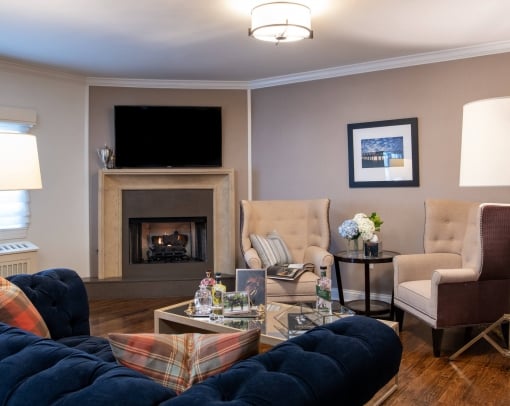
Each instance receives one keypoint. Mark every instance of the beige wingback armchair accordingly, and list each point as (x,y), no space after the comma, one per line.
(463,277)
(303,225)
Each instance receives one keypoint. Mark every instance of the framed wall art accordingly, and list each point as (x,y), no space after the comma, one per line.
(252,281)
(383,153)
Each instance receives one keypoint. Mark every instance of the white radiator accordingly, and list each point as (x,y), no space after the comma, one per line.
(18,257)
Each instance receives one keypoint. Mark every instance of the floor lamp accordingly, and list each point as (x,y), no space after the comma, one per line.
(485,162)
(19,162)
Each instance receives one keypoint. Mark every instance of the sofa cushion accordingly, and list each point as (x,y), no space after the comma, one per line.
(16,310)
(38,371)
(341,363)
(98,346)
(181,360)
(60,296)
(271,249)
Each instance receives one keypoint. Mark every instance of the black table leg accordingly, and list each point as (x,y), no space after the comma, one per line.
(367,289)
(339,282)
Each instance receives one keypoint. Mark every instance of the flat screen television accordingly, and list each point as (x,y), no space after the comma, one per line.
(167,136)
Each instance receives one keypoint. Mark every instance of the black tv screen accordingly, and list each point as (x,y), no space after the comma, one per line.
(167,136)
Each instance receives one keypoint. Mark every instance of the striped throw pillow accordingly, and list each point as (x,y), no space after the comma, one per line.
(271,249)
(178,361)
(18,311)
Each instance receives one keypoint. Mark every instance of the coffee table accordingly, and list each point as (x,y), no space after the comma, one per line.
(173,320)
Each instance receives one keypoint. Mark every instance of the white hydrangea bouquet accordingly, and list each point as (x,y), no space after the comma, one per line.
(362,226)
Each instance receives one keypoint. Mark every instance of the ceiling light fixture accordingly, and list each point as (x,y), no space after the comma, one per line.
(281,21)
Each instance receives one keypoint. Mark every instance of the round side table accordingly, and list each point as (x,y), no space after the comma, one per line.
(367,307)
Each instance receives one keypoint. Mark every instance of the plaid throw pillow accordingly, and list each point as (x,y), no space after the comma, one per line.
(271,249)
(18,311)
(178,361)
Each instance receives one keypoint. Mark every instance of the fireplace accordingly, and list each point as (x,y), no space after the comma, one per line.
(167,232)
(140,207)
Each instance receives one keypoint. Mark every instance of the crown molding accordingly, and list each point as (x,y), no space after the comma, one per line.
(385,64)
(168,84)
(339,71)
(16,66)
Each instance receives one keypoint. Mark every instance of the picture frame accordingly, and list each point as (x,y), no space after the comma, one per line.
(252,281)
(383,153)
(236,304)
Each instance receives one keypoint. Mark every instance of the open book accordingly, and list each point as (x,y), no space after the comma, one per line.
(288,271)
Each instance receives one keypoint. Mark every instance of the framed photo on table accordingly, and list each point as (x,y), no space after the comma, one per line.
(252,281)
(383,153)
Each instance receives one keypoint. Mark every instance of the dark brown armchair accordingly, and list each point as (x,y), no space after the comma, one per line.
(463,277)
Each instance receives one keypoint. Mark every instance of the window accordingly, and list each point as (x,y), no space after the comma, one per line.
(15,204)
(14,214)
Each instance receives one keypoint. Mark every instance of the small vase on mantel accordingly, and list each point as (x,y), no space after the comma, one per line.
(353,245)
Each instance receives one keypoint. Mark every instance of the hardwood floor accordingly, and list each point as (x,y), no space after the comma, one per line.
(480,376)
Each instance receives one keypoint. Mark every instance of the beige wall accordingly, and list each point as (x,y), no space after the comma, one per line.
(59,211)
(234,126)
(300,145)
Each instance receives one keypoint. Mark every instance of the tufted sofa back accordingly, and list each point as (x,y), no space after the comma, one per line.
(300,223)
(60,297)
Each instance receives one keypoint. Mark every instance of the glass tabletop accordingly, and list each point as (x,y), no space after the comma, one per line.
(360,257)
(279,320)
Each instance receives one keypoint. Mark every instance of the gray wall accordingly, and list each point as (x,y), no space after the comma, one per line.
(299,145)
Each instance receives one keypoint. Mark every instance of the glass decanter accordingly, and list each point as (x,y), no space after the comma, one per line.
(203,301)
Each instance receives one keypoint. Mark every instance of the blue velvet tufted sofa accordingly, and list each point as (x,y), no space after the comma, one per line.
(342,363)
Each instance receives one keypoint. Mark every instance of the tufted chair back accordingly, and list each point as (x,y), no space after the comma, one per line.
(303,225)
(446,222)
(300,223)
(60,297)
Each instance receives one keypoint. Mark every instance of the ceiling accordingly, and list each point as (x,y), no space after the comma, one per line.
(207,40)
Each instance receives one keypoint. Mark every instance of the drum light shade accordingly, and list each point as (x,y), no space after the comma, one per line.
(486,143)
(281,21)
(19,162)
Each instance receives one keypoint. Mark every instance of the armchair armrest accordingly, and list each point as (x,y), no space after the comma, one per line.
(412,267)
(319,257)
(457,275)
(252,259)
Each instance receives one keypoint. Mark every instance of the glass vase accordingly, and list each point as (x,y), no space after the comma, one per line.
(353,246)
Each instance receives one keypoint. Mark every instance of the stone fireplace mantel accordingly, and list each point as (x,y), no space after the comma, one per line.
(113,181)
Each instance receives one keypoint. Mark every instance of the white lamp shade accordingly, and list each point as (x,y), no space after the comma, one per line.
(485,150)
(281,22)
(19,162)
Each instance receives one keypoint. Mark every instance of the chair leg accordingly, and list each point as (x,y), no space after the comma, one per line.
(506,332)
(468,333)
(399,314)
(437,338)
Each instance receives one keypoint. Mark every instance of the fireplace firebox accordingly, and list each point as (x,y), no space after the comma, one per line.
(169,239)
(167,233)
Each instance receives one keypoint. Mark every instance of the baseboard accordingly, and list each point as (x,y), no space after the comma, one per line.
(132,289)
(117,288)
